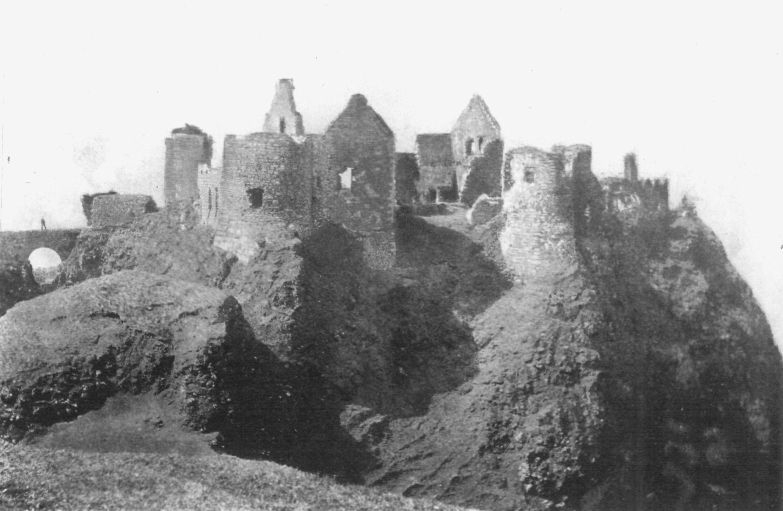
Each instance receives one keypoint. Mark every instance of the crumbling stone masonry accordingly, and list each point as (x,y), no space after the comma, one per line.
(282,116)
(465,163)
(478,149)
(539,234)
(185,150)
(209,193)
(406,175)
(437,175)
(285,185)
(114,210)
(361,149)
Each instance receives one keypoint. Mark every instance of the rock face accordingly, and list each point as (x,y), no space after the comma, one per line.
(64,353)
(157,242)
(644,377)
(629,367)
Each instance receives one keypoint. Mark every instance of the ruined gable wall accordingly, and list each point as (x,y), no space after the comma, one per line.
(360,140)
(472,125)
(184,152)
(283,107)
(538,237)
(356,141)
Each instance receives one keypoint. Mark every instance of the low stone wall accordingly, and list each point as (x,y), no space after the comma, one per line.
(16,246)
(120,209)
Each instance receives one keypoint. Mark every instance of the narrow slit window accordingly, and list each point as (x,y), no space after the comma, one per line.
(282,125)
(480,144)
(530,175)
(469,146)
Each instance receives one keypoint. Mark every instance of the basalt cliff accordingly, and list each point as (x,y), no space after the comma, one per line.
(622,365)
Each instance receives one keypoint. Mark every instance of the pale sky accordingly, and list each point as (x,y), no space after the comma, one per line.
(89,91)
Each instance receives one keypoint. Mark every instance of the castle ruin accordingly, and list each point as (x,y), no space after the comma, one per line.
(463,164)
(283,182)
(295,181)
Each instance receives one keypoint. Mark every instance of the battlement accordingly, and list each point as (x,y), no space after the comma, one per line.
(630,192)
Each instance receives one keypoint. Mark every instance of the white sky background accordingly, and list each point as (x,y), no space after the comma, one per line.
(89,91)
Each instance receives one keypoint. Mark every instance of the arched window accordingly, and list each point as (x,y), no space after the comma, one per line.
(282,125)
(530,175)
(469,146)
(481,144)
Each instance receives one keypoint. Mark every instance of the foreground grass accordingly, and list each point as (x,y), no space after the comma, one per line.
(34,478)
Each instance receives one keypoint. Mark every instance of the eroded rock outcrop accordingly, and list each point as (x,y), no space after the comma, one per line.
(64,353)
(643,377)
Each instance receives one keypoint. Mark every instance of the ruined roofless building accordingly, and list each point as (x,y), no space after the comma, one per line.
(465,163)
(281,182)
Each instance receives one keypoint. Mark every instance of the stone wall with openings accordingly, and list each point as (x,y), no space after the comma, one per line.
(538,238)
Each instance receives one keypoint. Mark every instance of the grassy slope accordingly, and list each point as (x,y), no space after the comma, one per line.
(34,478)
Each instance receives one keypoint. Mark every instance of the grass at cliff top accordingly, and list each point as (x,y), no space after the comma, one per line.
(33,478)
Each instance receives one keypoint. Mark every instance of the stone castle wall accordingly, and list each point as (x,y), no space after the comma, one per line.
(262,173)
(184,153)
(406,177)
(115,210)
(358,139)
(361,141)
(209,193)
(481,174)
(539,230)
(16,246)
(586,192)
(621,195)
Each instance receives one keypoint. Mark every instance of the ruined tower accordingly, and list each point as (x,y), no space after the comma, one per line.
(631,171)
(282,116)
(186,148)
(538,238)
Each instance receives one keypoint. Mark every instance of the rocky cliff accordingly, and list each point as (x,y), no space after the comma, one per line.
(637,374)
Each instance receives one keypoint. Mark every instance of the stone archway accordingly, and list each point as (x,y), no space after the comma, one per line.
(46,265)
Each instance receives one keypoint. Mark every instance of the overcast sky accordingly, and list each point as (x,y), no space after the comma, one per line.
(89,90)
